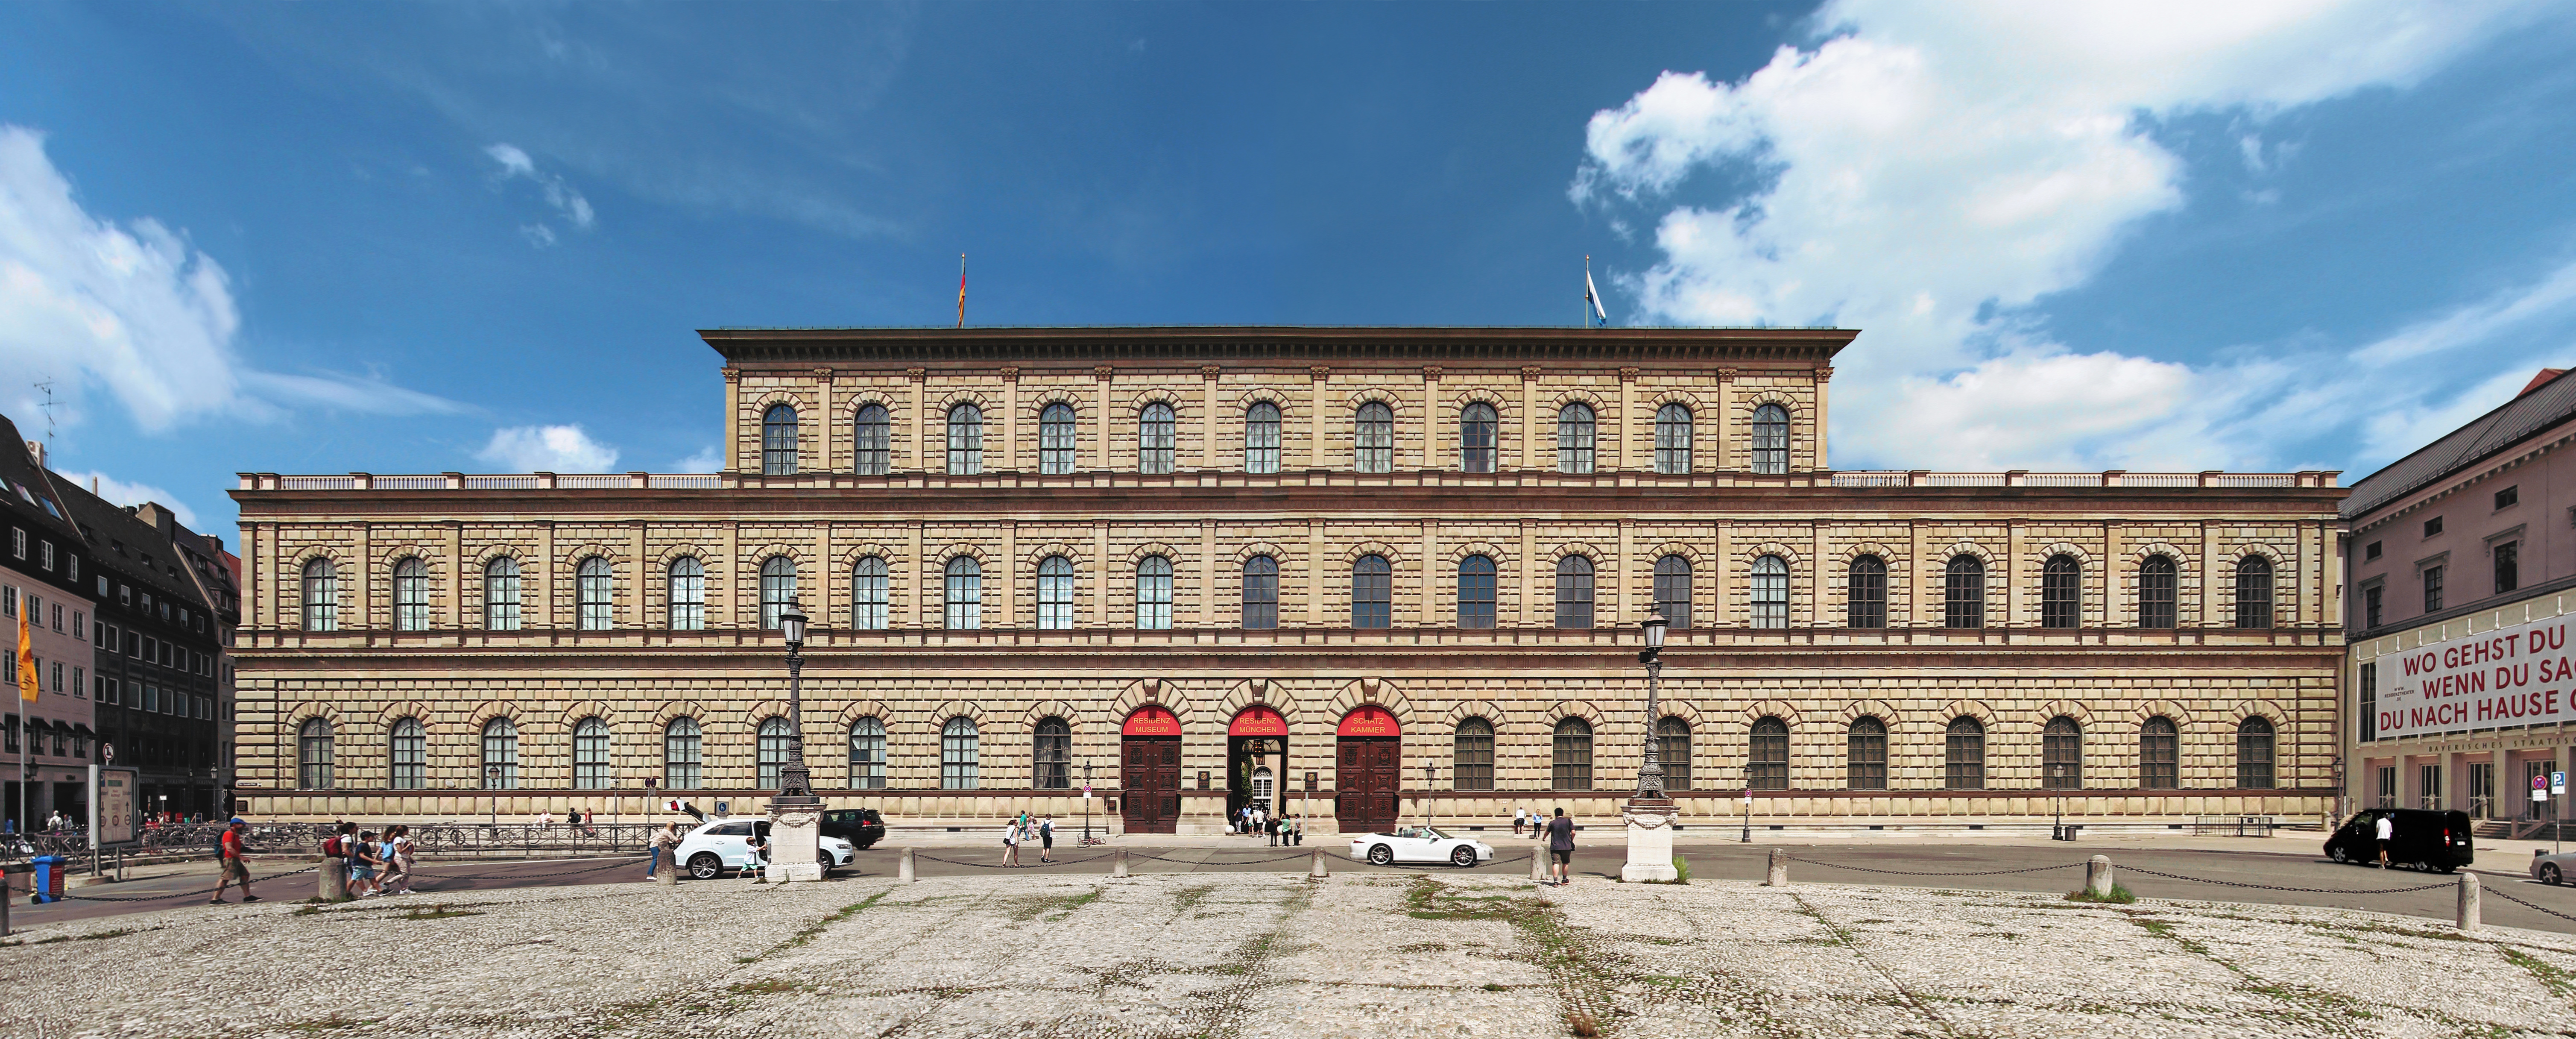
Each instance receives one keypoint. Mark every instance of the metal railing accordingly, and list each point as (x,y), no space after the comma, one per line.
(2234,825)
(460,839)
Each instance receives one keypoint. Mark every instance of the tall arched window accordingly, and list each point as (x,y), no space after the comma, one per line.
(1261,592)
(1574,438)
(872,442)
(2254,754)
(965,594)
(1372,592)
(1055,593)
(593,588)
(1573,763)
(1154,438)
(1963,755)
(681,744)
(957,754)
(687,589)
(501,594)
(1153,593)
(869,598)
(1472,755)
(778,441)
(590,755)
(2061,755)
(965,440)
(1673,439)
(407,754)
(2254,592)
(1766,761)
(867,754)
(2156,592)
(411,595)
(1771,439)
(2061,593)
(1574,592)
(1673,751)
(1476,427)
(1673,590)
(1865,593)
(312,755)
(1964,601)
(1056,439)
(777,589)
(1770,592)
(321,596)
(1476,592)
(770,752)
(2159,746)
(500,754)
(1051,755)
(1261,438)
(1865,756)
(1373,439)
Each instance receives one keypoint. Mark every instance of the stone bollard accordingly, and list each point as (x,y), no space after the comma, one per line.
(1779,874)
(1538,865)
(335,880)
(1118,863)
(2097,876)
(2468,916)
(1318,870)
(668,875)
(903,868)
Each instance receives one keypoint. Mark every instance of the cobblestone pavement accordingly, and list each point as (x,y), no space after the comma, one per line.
(1246,954)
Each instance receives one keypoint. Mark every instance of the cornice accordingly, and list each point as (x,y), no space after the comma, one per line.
(1273,345)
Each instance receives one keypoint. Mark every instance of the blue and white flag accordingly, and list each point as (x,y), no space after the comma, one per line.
(1592,296)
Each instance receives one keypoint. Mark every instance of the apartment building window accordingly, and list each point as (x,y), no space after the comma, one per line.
(965,440)
(1673,439)
(2508,568)
(1574,429)
(1056,439)
(1476,427)
(2254,592)
(2432,588)
(2156,592)
(2368,699)
(2370,601)
(1261,438)
(1771,440)
(778,441)
(1373,439)
(872,442)
(1261,592)
(1155,439)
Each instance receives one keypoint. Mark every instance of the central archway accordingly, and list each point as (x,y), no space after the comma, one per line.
(1256,742)
(1368,759)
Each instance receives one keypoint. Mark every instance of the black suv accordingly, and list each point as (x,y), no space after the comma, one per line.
(2422,838)
(861,827)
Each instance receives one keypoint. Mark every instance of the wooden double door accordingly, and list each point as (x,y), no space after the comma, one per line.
(1150,772)
(1365,782)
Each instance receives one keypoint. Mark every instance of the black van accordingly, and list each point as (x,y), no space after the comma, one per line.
(2421,838)
(859,826)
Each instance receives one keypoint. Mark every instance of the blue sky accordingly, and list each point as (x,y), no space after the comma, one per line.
(309,238)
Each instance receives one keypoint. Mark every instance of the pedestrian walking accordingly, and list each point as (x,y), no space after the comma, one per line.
(2384,831)
(337,846)
(759,857)
(403,846)
(390,879)
(666,843)
(1011,842)
(363,862)
(231,864)
(1520,820)
(1046,839)
(1560,845)
(1270,829)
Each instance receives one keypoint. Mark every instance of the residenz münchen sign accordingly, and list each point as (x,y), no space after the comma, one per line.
(2519,675)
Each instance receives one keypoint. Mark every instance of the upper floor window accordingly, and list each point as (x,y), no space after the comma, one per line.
(965,440)
(872,442)
(1574,439)
(321,596)
(1476,427)
(1154,592)
(1372,592)
(411,595)
(1771,439)
(2371,598)
(1261,438)
(2432,526)
(1673,590)
(1476,592)
(1154,438)
(2508,497)
(777,589)
(2432,589)
(2254,594)
(1056,439)
(868,594)
(593,589)
(2508,566)
(2156,592)
(1261,592)
(1672,439)
(778,441)
(965,598)
(1055,593)
(1865,593)
(1964,604)
(1770,592)
(2061,593)
(1373,438)
(687,589)
(1574,592)
(501,594)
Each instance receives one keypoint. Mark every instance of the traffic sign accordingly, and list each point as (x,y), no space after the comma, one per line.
(2539,782)
(2558,782)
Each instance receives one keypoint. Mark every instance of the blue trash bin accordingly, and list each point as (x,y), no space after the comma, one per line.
(49,877)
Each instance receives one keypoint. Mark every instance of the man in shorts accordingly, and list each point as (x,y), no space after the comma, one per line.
(2384,831)
(230,864)
(1560,845)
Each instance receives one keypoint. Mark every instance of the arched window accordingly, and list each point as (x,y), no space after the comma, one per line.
(407,752)
(1766,762)
(2254,592)
(411,595)
(1771,439)
(1476,438)
(500,754)
(2061,593)
(1055,593)
(1673,751)
(688,594)
(1261,592)
(1672,439)
(2254,754)
(868,594)
(1964,604)
(681,744)
(777,589)
(957,754)
(1573,766)
(1476,592)
(1574,439)
(770,751)
(1154,438)
(1153,593)
(1865,759)
(592,588)
(778,441)
(2156,592)
(1770,592)
(1056,439)
(321,596)
(2061,755)
(1574,592)
(501,594)
(1472,756)
(965,594)
(1261,438)
(965,440)
(590,755)
(312,755)
(1673,590)
(867,754)
(1373,439)
(2159,747)
(872,442)
(1865,593)
(1051,755)
(1963,755)
(1372,592)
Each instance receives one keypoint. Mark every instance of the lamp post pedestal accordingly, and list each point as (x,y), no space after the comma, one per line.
(795,815)
(1650,840)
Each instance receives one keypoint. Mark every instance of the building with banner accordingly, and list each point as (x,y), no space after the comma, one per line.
(45,744)
(1345,572)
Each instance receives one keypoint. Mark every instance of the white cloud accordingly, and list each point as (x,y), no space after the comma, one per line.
(548,449)
(1927,171)
(708,459)
(123,493)
(515,163)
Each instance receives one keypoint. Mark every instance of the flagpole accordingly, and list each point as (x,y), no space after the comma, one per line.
(961,290)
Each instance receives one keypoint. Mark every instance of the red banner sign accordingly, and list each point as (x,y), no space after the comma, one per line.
(1150,720)
(1257,720)
(1368,721)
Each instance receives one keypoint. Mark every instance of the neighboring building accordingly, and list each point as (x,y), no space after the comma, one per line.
(2463,567)
(1356,570)
(46,742)
(217,574)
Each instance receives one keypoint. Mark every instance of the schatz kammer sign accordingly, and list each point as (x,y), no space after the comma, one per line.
(2521,675)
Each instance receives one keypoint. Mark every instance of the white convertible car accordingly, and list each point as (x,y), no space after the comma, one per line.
(1419,844)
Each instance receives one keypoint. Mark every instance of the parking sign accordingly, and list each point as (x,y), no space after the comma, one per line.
(2558,782)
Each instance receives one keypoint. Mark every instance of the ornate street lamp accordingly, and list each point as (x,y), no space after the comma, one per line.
(1650,815)
(795,783)
(1650,776)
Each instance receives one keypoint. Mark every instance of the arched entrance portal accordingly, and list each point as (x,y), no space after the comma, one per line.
(1149,755)
(1368,754)
(1256,744)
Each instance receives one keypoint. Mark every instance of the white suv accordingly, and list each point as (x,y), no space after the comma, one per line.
(708,851)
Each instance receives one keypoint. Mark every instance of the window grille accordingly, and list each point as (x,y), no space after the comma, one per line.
(501,594)
(867,754)
(500,755)
(408,755)
(957,754)
(1673,440)
(2254,593)
(593,592)
(965,440)
(1574,592)
(1865,593)
(590,755)
(687,589)
(771,751)
(777,589)
(411,595)
(312,754)
(1964,603)
(1673,590)
(2156,592)
(321,596)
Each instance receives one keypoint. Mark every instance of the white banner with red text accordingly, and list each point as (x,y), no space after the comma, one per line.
(2518,675)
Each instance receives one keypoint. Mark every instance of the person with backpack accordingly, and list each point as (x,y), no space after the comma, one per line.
(1046,840)
(336,846)
(231,863)
(363,863)
(1560,846)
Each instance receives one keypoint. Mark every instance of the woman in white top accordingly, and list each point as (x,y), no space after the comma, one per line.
(1011,842)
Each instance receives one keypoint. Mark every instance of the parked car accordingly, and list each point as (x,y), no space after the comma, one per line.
(1419,844)
(710,850)
(2421,838)
(859,826)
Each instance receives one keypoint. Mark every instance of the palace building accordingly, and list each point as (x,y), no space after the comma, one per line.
(1359,574)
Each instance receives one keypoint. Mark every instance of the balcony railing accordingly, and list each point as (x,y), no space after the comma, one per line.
(1851,478)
